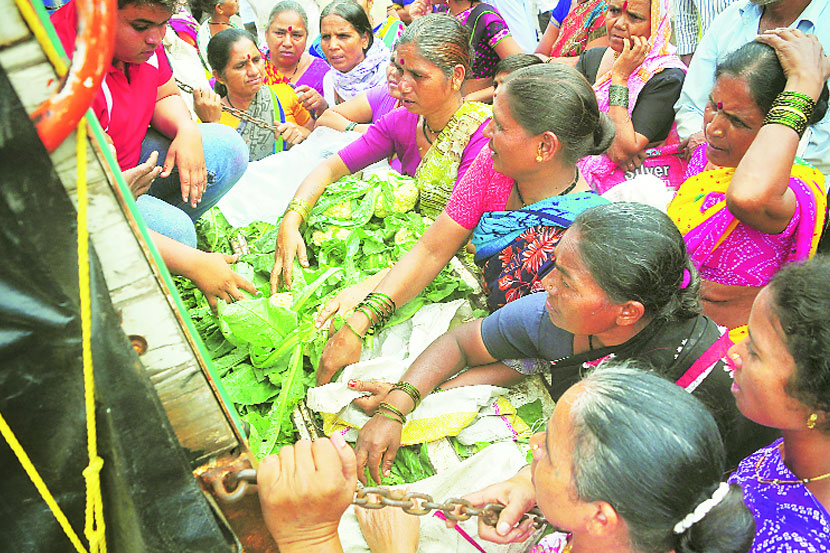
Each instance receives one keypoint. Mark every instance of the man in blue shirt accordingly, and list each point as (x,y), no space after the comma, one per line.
(738,24)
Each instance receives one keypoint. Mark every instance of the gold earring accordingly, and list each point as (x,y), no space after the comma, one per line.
(539,154)
(454,86)
(811,421)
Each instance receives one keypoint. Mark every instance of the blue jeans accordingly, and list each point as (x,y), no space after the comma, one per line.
(226,158)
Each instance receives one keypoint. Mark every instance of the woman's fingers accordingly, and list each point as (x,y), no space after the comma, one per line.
(326,313)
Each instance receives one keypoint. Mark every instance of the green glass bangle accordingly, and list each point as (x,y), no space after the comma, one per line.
(390,417)
(796,124)
(409,390)
(350,327)
(391,409)
(351,126)
(368,316)
(383,296)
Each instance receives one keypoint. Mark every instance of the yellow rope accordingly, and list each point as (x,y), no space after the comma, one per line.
(31,471)
(94,525)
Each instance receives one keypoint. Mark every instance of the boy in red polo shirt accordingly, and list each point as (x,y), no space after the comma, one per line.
(140,109)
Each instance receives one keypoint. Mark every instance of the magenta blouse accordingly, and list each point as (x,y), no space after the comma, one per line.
(394,133)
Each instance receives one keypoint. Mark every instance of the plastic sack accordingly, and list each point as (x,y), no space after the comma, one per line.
(494,464)
(664,162)
(263,192)
(438,415)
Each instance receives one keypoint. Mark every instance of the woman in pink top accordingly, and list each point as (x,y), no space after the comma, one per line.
(748,205)
(525,179)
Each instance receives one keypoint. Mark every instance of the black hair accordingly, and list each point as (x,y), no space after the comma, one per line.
(573,117)
(635,252)
(758,65)
(354,14)
(515,62)
(171,5)
(219,52)
(653,452)
(442,40)
(801,300)
(288,6)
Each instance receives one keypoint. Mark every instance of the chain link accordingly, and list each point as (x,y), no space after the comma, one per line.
(235,112)
(413,503)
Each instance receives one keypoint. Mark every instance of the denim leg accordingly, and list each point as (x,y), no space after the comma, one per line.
(226,158)
(167,220)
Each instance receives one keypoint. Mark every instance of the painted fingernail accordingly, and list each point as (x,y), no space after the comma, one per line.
(386,472)
(352,383)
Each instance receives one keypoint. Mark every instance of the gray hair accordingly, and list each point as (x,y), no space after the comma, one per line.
(635,252)
(288,6)
(653,452)
(442,40)
(558,99)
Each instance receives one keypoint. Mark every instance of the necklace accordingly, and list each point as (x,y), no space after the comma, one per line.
(776,481)
(426,128)
(219,23)
(591,342)
(562,193)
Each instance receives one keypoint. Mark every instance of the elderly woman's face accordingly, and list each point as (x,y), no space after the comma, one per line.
(627,18)
(341,43)
(763,367)
(512,149)
(576,302)
(553,452)
(731,120)
(286,38)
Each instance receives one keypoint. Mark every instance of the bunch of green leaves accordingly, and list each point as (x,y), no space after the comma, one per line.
(411,465)
(266,349)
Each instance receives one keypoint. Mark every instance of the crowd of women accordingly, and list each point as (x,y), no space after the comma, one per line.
(676,427)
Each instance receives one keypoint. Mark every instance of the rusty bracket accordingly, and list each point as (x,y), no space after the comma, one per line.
(231,481)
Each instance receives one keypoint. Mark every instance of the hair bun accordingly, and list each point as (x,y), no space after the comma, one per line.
(604,134)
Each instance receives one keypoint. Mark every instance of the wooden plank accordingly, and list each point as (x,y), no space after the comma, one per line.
(12,27)
(170,362)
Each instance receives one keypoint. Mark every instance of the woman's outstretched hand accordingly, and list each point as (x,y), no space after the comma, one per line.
(518,497)
(290,244)
(389,530)
(304,491)
(377,390)
(377,445)
(341,349)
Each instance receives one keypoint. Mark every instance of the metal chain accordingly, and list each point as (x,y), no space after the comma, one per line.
(413,503)
(234,111)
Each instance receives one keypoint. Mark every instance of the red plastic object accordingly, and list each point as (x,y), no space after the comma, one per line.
(57,116)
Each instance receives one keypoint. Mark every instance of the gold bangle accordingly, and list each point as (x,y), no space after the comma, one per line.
(301,207)
(795,111)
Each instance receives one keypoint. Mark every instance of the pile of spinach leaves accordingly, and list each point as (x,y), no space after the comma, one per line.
(265,349)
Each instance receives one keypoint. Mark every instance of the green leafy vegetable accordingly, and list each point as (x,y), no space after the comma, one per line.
(265,349)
